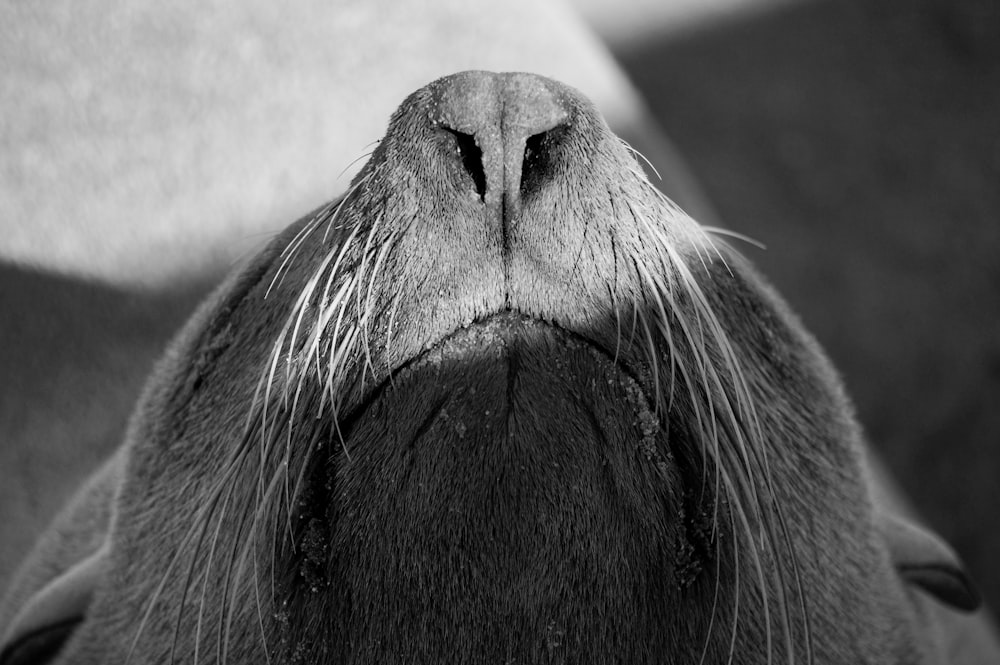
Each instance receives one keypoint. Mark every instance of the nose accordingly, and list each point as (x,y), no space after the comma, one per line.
(507,128)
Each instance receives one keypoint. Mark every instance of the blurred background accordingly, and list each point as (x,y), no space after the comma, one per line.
(859,140)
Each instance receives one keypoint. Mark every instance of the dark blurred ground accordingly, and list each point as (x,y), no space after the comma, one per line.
(860,141)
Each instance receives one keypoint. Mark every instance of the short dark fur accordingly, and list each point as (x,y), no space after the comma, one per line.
(500,407)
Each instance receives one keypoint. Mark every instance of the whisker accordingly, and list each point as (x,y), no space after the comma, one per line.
(364,155)
(722,404)
(719,231)
(204,591)
(641,156)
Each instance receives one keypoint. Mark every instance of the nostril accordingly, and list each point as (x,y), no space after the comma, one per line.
(472,159)
(539,153)
(503,134)
(533,147)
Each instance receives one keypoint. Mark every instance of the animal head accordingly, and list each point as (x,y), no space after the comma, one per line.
(500,402)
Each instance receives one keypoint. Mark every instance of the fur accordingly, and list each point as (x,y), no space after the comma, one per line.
(502,401)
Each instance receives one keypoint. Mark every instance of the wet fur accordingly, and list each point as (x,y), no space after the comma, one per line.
(407,432)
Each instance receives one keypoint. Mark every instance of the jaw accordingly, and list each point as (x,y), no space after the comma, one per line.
(509,483)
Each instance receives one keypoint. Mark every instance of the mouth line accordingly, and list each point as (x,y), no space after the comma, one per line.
(501,326)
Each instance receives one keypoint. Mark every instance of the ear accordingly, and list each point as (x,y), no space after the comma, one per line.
(54,587)
(926,561)
(49,617)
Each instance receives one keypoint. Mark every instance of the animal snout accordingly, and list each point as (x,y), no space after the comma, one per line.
(506,128)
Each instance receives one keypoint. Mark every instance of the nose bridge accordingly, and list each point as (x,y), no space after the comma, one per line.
(530,107)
